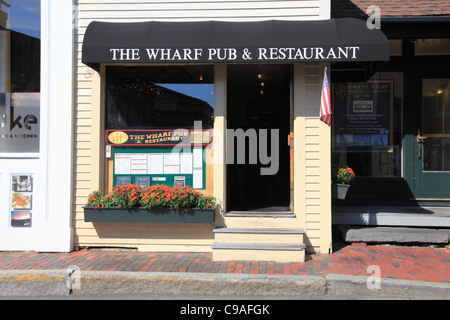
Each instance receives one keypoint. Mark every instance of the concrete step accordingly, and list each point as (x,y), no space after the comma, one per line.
(261,213)
(404,216)
(260,219)
(270,244)
(279,252)
(259,235)
(394,235)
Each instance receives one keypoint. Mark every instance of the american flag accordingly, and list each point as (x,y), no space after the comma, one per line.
(325,104)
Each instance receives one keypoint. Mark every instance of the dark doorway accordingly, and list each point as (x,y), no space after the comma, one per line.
(259,106)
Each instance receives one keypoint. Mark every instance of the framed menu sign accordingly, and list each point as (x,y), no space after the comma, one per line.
(151,166)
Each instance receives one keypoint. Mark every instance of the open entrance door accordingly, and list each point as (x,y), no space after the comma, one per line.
(258,126)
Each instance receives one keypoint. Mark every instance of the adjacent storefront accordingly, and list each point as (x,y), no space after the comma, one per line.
(390,118)
(35,118)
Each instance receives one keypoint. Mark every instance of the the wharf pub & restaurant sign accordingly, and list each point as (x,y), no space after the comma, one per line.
(167,137)
(233,42)
(261,54)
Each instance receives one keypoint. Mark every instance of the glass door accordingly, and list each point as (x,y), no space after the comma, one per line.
(432,169)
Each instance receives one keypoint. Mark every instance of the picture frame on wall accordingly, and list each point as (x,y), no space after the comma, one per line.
(21,218)
(22,183)
(20,200)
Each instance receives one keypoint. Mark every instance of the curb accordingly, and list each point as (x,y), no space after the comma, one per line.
(61,283)
(198,284)
(33,283)
(339,284)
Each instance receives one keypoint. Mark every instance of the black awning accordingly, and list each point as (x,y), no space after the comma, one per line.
(345,39)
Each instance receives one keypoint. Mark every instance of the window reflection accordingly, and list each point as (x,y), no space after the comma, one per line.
(159,97)
(19,76)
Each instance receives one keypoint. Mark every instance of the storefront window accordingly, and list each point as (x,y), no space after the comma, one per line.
(367,125)
(19,76)
(158,121)
(159,97)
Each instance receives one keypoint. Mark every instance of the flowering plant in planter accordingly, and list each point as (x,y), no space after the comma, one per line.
(158,196)
(95,199)
(342,174)
(125,196)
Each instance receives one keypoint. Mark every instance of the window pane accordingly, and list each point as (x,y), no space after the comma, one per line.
(19,76)
(367,125)
(436,124)
(159,97)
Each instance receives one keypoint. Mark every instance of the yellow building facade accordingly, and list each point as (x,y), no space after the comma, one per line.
(270,218)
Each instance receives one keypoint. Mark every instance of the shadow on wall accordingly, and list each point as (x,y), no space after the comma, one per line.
(366,191)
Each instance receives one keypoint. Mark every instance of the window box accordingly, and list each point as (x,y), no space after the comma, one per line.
(141,215)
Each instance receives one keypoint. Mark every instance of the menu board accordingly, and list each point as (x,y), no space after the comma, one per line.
(198,169)
(155,163)
(122,163)
(138,163)
(171,163)
(186,162)
(148,167)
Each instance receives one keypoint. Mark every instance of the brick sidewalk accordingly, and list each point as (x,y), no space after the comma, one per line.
(406,263)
